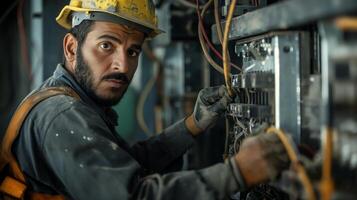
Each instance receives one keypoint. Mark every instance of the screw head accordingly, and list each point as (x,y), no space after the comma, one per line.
(288,49)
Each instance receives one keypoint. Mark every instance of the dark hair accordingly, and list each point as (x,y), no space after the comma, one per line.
(80,32)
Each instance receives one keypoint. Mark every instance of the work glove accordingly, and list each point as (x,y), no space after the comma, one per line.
(261,158)
(210,104)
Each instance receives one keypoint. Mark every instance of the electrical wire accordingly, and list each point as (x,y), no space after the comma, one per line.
(226,66)
(210,45)
(220,34)
(218,21)
(206,54)
(297,166)
(205,7)
(204,47)
(219,30)
(140,106)
(251,125)
(205,40)
(146,90)
(189,4)
(237,142)
(326,184)
(239,123)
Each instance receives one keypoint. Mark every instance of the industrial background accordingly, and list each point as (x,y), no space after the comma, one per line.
(292,62)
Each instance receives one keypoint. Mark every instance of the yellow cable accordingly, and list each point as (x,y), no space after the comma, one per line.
(205,48)
(219,29)
(226,66)
(295,162)
(326,184)
(146,91)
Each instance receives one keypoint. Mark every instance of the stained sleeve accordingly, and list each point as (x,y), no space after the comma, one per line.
(219,181)
(160,151)
(84,157)
(87,163)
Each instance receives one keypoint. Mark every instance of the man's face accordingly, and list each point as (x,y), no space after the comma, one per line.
(107,61)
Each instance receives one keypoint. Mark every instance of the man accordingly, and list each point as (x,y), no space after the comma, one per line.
(69,146)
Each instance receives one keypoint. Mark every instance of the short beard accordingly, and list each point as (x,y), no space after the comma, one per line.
(84,76)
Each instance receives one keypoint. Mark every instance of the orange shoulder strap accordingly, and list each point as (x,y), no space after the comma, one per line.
(15,186)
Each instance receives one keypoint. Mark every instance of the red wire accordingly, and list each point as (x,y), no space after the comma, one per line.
(23,39)
(219,55)
(207,40)
(204,32)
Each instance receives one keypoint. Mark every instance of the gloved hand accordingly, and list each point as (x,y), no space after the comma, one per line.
(261,158)
(210,104)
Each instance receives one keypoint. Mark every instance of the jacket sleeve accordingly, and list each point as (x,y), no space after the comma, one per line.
(87,163)
(216,182)
(156,153)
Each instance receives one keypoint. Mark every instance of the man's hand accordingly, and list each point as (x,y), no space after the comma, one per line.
(261,158)
(210,104)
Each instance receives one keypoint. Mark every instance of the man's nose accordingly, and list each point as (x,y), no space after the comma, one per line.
(120,61)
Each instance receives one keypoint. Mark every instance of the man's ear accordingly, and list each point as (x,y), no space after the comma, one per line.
(70,45)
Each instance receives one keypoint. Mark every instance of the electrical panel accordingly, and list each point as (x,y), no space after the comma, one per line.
(297,74)
(274,67)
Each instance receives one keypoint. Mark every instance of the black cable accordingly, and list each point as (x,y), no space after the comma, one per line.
(7,12)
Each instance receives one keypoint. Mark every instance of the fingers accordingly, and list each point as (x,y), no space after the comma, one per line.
(276,155)
(272,145)
(252,164)
(211,95)
(221,105)
(271,151)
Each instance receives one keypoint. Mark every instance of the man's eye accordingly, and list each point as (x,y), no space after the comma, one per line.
(133,53)
(106,46)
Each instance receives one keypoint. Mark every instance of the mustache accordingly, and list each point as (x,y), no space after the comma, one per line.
(117,76)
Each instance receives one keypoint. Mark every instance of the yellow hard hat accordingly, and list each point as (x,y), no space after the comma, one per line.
(139,14)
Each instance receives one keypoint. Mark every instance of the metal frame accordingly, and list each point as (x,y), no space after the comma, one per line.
(36,36)
(290,67)
(291,64)
(284,15)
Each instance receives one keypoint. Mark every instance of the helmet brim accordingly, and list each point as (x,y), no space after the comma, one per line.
(64,19)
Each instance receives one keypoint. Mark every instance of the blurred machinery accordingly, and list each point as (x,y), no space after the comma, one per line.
(339,101)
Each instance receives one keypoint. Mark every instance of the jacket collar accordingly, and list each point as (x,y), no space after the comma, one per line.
(62,75)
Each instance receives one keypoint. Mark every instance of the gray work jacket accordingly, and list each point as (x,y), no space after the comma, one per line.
(70,147)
